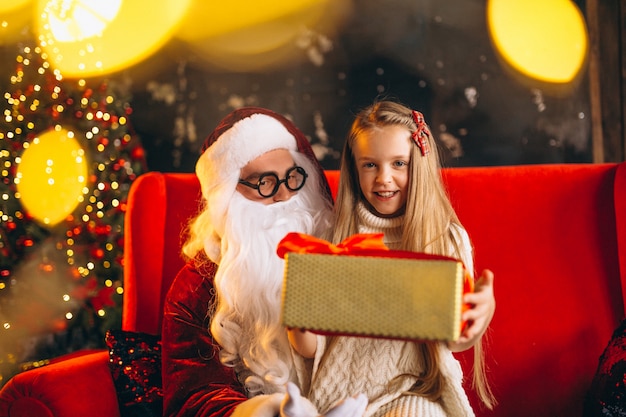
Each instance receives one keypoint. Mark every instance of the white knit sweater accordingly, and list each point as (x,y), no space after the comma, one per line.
(380,368)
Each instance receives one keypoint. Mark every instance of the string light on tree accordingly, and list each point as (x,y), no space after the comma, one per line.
(68,157)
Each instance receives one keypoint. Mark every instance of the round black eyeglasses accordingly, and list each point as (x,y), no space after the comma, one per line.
(268,183)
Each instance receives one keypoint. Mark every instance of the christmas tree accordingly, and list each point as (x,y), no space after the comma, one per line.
(61,281)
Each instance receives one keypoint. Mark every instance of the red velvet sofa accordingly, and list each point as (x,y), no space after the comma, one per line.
(555,236)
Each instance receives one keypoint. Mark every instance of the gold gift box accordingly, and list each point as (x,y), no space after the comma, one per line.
(373,296)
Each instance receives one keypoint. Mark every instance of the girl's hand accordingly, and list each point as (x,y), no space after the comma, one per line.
(478,317)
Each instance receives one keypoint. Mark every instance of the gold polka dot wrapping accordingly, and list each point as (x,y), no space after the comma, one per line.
(373,296)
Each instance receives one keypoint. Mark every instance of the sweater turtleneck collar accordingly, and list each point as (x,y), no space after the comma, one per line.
(371,223)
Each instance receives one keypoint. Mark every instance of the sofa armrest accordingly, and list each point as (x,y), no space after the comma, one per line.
(76,387)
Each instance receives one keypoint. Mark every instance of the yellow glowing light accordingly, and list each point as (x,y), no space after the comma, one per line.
(74,21)
(15,16)
(225,17)
(10,6)
(93,37)
(545,40)
(51,176)
(253,34)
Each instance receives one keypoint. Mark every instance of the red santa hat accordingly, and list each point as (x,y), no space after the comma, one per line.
(242,136)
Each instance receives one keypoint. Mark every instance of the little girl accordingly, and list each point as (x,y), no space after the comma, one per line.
(390,183)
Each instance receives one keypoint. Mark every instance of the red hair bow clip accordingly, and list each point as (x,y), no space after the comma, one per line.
(422,133)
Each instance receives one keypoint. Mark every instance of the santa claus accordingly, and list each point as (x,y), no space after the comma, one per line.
(225,351)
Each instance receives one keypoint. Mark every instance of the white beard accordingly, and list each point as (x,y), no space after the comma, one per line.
(248,286)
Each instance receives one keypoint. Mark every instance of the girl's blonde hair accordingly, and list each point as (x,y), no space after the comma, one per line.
(429,224)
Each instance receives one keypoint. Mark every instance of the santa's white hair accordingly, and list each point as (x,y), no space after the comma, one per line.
(246,316)
(241,237)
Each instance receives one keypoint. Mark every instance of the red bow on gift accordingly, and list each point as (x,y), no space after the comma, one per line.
(362,243)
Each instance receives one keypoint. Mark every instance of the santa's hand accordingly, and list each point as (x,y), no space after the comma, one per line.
(295,405)
(350,407)
(259,406)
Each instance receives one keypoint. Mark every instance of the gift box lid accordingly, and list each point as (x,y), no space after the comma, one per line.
(376,293)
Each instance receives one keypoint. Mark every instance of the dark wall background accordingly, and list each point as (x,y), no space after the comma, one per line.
(434,55)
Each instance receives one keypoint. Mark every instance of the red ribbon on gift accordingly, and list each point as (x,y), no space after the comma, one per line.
(359,244)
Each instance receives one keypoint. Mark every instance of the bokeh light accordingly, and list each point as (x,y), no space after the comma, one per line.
(51,176)
(70,22)
(86,38)
(249,35)
(545,40)
(15,18)
(11,6)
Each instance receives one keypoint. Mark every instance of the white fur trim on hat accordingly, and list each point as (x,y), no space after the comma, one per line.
(219,167)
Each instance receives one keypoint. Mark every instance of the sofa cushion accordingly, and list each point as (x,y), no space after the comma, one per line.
(135,363)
